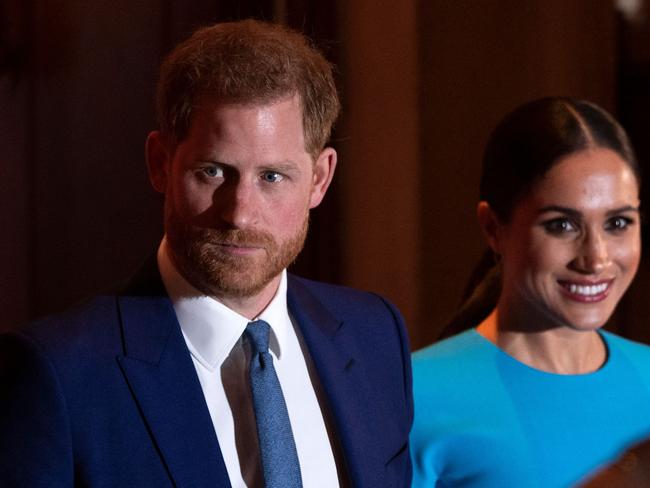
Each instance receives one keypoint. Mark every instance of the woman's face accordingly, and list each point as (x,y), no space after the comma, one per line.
(572,245)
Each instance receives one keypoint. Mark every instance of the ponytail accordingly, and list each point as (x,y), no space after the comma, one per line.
(480,297)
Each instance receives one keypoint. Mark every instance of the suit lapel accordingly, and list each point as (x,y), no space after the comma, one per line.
(343,374)
(162,378)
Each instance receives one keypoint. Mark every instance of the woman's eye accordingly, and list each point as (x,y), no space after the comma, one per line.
(213,171)
(618,223)
(272,177)
(559,226)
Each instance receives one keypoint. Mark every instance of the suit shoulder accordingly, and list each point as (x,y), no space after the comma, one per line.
(326,288)
(89,324)
(345,299)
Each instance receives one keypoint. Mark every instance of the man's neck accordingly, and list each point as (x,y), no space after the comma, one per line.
(251,306)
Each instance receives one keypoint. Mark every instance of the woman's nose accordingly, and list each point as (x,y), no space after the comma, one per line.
(593,255)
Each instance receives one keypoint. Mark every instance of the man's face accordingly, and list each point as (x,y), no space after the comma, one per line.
(238,190)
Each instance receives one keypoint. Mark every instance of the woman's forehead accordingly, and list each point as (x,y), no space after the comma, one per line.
(587,178)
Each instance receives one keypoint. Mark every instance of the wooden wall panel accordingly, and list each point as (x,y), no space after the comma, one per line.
(634,110)
(15,207)
(96,216)
(380,163)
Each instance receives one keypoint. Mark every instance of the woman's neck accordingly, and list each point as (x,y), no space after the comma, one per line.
(559,350)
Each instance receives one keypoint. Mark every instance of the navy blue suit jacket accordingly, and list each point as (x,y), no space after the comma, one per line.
(107,395)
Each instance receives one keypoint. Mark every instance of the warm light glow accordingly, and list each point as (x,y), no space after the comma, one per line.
(631,9)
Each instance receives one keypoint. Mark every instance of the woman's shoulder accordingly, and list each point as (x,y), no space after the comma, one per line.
(464,343)
(460,354)
(457,377)
(634,351)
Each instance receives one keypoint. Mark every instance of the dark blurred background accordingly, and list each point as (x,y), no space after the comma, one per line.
(422,81)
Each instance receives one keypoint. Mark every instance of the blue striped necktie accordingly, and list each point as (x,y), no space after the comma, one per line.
(277,448)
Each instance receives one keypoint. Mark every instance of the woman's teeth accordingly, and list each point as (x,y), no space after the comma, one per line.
(587,290)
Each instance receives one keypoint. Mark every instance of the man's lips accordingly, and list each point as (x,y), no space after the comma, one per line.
(239,248)
(586,291)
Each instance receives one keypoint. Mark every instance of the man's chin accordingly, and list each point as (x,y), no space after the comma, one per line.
(237,289)
(242,279)
(228,276)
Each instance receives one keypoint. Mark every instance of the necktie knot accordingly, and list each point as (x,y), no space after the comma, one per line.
(258,333)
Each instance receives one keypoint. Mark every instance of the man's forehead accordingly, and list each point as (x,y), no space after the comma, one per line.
(210,102)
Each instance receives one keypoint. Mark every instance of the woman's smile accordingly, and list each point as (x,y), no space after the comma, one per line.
(586,292)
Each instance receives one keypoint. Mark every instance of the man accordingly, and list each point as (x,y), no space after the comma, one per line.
(215,367)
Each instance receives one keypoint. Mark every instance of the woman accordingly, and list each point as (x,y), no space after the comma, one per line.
(535,394)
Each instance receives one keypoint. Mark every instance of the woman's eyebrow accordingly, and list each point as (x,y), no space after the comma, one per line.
(626,208)
(572,212)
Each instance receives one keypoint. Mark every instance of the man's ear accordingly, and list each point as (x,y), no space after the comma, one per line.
(490,225)
(324,167)
(159,157)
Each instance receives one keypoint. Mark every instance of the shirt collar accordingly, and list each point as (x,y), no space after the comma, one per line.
(210,328)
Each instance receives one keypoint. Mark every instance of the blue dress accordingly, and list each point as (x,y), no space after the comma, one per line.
(484,419)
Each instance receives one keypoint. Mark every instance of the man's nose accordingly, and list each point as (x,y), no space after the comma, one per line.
(593,256)
(236,202)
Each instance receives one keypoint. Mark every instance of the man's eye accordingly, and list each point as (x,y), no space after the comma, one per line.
(559,226)
(618,224)
(213,171)
(272,177)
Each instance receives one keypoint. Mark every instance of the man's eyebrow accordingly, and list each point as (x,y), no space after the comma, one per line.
(285,165)
(282,166)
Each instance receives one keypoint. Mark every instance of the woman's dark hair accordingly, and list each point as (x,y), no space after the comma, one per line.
(523,147)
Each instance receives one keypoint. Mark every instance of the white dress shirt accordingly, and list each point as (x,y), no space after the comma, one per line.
(213,334)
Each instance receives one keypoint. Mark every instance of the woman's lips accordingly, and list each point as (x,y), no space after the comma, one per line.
(586,292)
